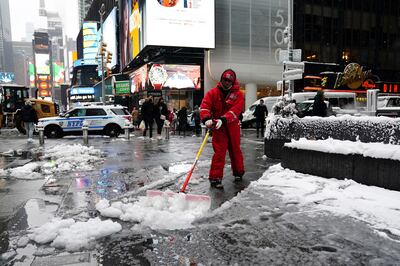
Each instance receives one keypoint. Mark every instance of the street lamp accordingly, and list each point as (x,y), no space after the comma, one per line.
(290,39)
(103,91)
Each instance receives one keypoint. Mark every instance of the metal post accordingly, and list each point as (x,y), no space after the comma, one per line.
(167,128)
(127,126)
(85,132)
(103,90)
(40,128)
(290,38)
(203,130)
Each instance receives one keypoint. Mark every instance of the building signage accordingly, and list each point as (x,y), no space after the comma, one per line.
(82,90)
(122,87)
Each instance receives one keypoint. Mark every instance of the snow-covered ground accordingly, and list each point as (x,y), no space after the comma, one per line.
(57,160)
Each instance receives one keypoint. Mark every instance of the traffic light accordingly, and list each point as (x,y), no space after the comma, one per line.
(103,48)
(109,57)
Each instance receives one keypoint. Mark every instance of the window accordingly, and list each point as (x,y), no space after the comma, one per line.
(77,112)
(45,108)
(119,111)
(95,112)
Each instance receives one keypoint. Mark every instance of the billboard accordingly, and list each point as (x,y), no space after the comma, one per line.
(110,37)
(139,79)
(42,62)
(183,23)
(58,74)
(180,23)
(90,42)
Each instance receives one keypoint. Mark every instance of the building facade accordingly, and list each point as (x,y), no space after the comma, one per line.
(344,31)
(6,50)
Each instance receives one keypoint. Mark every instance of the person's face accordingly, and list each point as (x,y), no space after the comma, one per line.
(226,83)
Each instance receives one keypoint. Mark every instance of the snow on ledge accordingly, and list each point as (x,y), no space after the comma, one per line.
(373,150)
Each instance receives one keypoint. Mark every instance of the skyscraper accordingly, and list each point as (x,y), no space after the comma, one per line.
(6,50)
(84,6)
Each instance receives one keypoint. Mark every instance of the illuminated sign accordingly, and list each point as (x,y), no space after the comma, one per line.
(7,77)
(82,90)
(90,40)
(42,62)
(122,87)
(110,37)
(188,23)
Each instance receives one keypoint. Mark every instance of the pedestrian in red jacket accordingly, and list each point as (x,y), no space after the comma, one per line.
(220,110)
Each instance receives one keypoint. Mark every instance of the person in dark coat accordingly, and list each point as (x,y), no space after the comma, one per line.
(319,105)
(197,121)
(182,121)
(29,117)
(147,113)
(160,115)
(260,113)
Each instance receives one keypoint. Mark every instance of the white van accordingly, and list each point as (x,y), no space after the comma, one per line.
(342,100)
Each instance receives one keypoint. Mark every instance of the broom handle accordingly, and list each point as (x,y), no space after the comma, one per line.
(195,162)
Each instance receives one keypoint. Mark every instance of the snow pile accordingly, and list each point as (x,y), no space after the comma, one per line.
(27,171)
(373,205)
(284,107)
(70,158)
(373,150)
(157,212)
(61,158)
(71,235)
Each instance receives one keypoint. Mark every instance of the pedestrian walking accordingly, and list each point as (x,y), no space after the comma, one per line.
(135,116)
(161,113)
(197,121)
(220,110)
(260,113)
(29,117)
(182,121)
(319,105)
(147,113)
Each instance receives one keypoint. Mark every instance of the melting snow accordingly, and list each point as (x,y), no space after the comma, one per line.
(158,212)
(72,235)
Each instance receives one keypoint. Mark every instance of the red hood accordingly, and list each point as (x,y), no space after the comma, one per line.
(235,86)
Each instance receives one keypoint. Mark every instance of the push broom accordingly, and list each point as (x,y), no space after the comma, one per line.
(189,197)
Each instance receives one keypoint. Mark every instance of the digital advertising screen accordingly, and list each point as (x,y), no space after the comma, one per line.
(110,37)
(180,23)
(124,32)
(42,62)
(90,41)
(182,77)
(58,74)
(139,79)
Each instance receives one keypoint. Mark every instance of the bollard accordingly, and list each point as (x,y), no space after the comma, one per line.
(85,132)
(40,129)
(127,126)
(167,128)
(203,130)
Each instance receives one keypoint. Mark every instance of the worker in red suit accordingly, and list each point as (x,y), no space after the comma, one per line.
(220,110)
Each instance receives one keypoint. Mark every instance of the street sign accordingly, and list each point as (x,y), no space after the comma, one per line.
(292,70)
(284,55)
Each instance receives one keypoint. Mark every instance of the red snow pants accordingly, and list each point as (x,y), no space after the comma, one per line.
(223,139)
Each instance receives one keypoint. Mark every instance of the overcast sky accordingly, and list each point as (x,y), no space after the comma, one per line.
(23,11)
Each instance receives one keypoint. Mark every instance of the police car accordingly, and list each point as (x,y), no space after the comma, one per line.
(107,120)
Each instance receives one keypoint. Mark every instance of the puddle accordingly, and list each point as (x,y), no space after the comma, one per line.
(35,212)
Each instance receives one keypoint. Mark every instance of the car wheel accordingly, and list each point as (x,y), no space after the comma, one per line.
(112,131)
(53,132)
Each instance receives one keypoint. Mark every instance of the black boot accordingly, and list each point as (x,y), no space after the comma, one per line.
(215,183)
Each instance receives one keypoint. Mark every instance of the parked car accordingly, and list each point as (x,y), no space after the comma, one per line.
(306,108)
(102,120)
(388,106)
(342,100)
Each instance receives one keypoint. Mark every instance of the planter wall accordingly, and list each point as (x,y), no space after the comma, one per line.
(383,173)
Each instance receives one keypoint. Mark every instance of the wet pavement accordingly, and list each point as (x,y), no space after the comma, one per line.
(253,229)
